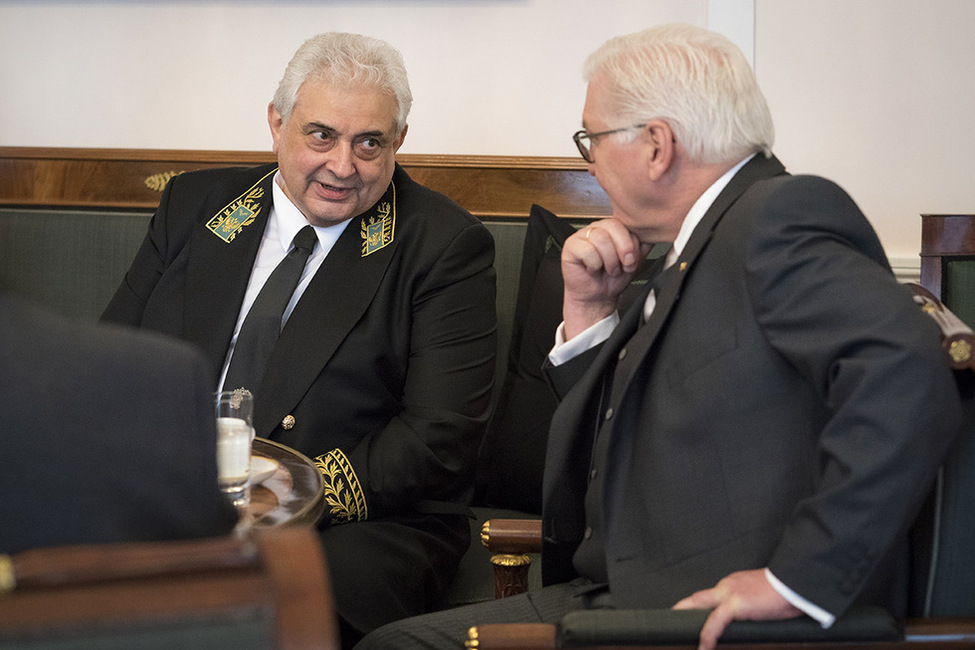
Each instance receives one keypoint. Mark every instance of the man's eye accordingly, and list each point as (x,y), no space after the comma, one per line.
(369,147)
(322,140)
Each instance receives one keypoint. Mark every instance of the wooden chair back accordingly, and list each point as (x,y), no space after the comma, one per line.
(948,261)
(269,589)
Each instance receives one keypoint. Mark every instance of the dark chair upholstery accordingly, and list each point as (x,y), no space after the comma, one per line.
(509,476)
(513,453)
(269,590)
(512,457)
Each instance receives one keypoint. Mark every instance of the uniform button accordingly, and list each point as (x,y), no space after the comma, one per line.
(588,533)
(288,422)
(609,413)
(593,472)
(622,354)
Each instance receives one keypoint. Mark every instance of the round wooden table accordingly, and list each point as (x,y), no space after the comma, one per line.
(293,494)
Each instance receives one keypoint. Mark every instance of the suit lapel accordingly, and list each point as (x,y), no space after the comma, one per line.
(672,280)
(218,271)
(571,420)
(575,421)
(628,325)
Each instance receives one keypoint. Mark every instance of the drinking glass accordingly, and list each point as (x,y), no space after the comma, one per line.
(235,431)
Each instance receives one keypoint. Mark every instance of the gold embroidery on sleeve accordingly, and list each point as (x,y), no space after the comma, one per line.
(343,492)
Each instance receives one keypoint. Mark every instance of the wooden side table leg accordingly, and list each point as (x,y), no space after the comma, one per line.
(510,574)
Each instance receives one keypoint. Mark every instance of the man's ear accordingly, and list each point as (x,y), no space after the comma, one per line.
(402,137)
(276,123)
(660,138)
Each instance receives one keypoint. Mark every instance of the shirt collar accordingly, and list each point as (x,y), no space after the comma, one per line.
(699,209)
(288,220)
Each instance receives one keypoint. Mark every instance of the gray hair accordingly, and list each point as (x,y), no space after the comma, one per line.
(346,58)
(697,81)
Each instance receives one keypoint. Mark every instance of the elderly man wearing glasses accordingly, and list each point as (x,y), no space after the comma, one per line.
(752,437)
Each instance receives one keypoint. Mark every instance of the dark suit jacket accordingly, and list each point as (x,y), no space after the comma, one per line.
(786,405)
(108,435)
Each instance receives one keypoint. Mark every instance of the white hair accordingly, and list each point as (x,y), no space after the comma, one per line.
(346,58)
(697,81)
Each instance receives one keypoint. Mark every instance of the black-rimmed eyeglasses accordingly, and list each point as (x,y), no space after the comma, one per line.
(584,139)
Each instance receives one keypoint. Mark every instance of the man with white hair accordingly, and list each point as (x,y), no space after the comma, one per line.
(381,363)
(755,436)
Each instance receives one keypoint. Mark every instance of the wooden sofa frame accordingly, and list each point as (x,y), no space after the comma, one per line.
(270,588)
(490,187)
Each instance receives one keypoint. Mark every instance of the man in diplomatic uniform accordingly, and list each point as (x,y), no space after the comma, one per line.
(755,435)
(381,364)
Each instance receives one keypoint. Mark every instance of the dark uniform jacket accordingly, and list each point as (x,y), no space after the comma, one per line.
(383,371)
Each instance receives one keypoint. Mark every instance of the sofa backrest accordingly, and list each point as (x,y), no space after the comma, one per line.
(68,260)
(72,219)
(72,261)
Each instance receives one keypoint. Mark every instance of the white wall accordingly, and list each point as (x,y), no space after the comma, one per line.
(488,76)
(878,96)
(874,94)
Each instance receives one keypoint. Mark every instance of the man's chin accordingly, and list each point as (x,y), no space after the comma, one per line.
(324,213)
(322,221)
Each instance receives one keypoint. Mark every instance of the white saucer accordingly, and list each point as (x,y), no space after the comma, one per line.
(262,468)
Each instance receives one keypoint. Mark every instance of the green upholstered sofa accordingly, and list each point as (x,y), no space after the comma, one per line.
(72,260)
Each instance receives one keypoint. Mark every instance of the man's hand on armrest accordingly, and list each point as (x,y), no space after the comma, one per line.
(741,596)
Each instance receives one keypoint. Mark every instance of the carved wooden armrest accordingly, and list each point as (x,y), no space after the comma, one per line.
(511,636)
(510,541)
(958,339)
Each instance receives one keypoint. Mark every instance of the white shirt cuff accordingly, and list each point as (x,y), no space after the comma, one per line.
(813,611)
(588,338)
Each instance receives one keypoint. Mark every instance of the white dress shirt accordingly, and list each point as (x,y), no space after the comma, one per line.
(599,332)
(283,224)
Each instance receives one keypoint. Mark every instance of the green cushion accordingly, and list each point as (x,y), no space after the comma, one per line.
(70,261)
(959,287)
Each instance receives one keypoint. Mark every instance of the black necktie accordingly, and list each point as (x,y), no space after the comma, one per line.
(262,325)
(651,274)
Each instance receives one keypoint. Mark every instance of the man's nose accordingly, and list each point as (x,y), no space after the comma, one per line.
(341,160)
